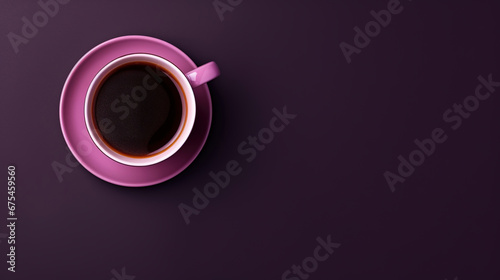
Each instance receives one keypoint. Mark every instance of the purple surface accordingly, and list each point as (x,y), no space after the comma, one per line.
(322,175)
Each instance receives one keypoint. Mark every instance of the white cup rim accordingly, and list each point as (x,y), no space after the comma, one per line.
(188,109)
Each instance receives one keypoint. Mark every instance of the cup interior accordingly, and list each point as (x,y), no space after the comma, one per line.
(139,107)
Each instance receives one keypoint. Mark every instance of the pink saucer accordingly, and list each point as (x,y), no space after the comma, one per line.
(71,113)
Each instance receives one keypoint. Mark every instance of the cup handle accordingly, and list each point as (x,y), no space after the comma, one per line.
(203,74)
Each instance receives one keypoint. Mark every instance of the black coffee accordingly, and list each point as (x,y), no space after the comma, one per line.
(137,109)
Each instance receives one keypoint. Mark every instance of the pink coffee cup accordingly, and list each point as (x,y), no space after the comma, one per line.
(184,83)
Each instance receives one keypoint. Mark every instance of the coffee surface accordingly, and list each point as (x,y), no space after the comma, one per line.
(137,109)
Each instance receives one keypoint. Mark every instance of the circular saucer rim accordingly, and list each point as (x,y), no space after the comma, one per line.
(145,175)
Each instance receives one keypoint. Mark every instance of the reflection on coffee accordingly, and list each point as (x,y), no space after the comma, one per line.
(142,106)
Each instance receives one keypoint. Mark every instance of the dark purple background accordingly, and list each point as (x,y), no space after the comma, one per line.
(322,175)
